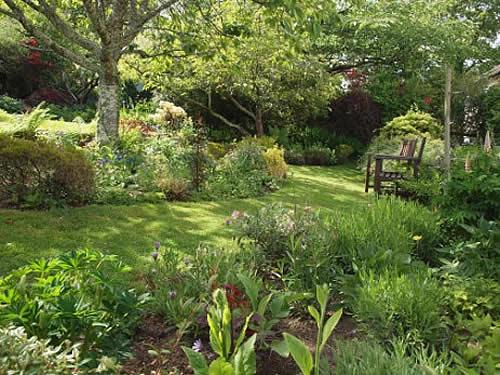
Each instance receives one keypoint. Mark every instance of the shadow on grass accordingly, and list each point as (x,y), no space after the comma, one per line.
(130,231)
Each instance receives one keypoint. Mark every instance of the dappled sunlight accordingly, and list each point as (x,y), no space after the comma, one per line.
(130,231)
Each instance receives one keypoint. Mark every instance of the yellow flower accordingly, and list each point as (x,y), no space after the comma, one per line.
(417,238)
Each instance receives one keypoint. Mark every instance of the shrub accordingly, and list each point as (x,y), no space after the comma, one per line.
(39,174)
(474,193)
(20,354)
(298,240)
(73,297)
(175,189)
(275,161)
(265,141)
(241,173)
(409,306)
(295,155)
(414,122)
(10,105)
(343,152)
(319,155)
(217,150)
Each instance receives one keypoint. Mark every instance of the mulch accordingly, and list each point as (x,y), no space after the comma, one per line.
(156,349)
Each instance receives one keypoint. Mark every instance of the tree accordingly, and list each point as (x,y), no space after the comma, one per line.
(238,54)
(93,34)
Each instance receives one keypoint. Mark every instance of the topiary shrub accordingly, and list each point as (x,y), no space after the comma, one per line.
(414,122)
(40,174)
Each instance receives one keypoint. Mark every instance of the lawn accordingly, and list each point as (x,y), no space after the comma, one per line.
(130,231)
(7,121)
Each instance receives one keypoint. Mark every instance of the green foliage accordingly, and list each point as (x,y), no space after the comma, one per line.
(384,234)
(28,124)
(299,351)
(343,152)
(296,242)
(40,174)
(241,173)
(10,105)
(477,252)
(20,354)
(414,122)
(71,113)
(74,297)
(319,155)
(370,358)
(235,355)
(409,306)
(275,161)
(180,284)
(433,152)
(474,193)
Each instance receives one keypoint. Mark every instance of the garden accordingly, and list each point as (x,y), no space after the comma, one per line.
(249,187)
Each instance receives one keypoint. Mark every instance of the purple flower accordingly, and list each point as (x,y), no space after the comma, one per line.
(154,255)
(172,294)
(157,245)
(229,222)
(197,346)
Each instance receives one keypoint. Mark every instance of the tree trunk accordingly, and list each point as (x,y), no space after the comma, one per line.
(259,125)
(447,119)
(108,106)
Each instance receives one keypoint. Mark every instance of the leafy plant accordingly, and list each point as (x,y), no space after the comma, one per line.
(28,123)
(414,122)
(299,351)
(40,174)
(10,105)
(275,161)
(235,356)
(75,297)
(409,306)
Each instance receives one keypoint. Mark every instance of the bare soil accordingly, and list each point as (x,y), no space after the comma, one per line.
(156,349)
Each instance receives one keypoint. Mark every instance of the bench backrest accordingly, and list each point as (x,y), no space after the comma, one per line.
(408,147)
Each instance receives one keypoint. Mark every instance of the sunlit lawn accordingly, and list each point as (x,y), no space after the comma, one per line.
(130,231)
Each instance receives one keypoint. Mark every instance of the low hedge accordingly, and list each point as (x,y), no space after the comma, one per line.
(41,174)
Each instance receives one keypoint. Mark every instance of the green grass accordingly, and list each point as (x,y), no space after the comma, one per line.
(130,231)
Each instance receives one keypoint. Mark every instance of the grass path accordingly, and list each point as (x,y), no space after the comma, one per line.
(130,231)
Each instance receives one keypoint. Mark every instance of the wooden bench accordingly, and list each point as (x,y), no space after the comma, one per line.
(406,155)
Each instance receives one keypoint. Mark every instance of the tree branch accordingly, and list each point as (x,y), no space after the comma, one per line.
(219,116)
(241,107)
(17,14)
(136,25)
(50,12)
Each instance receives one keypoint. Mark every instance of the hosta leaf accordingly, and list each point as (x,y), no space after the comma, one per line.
(196,361)
(244,360)
(330,325)
(300,353)
(220,367)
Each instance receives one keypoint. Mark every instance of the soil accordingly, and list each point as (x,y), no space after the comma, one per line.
(156,349)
